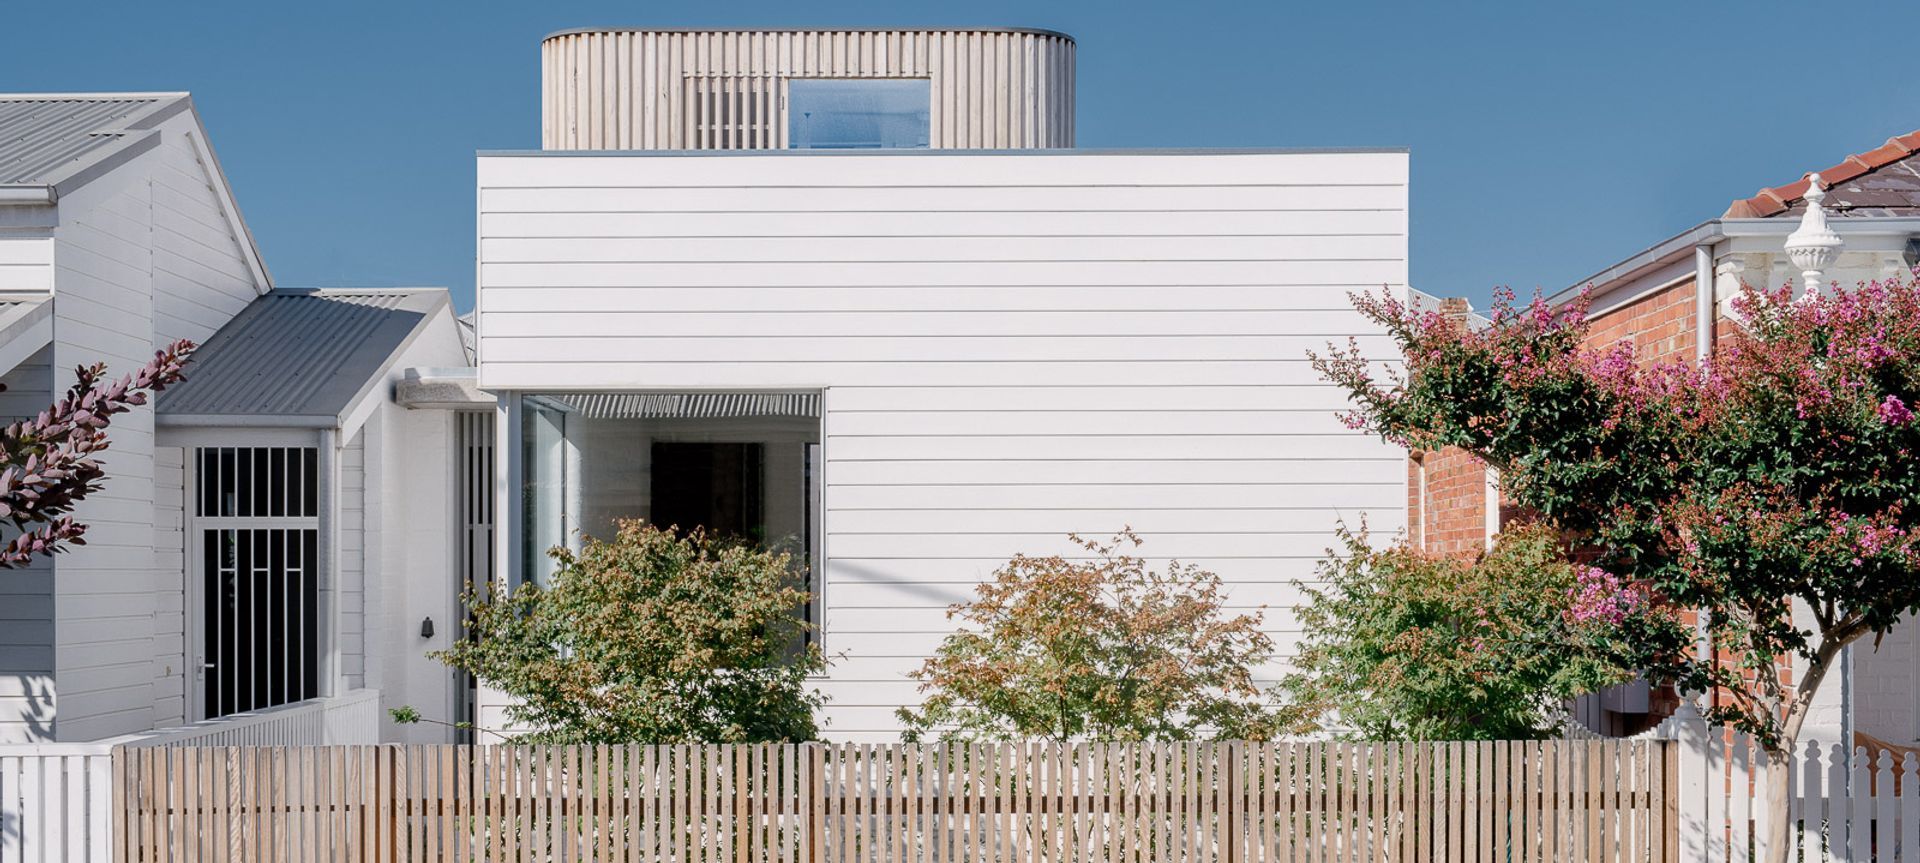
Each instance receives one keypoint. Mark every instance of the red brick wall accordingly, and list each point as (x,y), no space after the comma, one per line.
(1450,517)
(1660,325)
(1452,513)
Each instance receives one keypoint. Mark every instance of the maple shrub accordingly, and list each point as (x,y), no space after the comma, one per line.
(1404,645)
(49,463)
(1101,648)
(652,636)
(1772,489)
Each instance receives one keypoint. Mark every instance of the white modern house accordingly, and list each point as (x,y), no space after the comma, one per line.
(848,292)
(742,289)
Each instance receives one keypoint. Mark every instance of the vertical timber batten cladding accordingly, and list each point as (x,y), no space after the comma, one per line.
(726,89)
(1008,347)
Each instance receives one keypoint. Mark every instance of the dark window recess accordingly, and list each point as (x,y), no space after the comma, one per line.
(256,509)
(717,486)
(262,628)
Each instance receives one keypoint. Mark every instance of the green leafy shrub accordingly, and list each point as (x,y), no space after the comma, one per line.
(1102,649)
(1403,645)
(651,637)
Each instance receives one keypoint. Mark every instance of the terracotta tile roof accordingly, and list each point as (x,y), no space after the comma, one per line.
(1884,181)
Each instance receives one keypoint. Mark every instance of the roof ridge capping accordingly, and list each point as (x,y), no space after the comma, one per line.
(99,96)
(1778,199)
(318,290)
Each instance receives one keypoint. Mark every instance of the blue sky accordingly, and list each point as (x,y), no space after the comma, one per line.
(1549,140)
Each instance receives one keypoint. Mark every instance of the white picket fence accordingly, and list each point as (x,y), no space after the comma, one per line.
(56,798)
(1859,809)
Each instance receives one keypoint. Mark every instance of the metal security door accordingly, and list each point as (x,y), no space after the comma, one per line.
(256,537)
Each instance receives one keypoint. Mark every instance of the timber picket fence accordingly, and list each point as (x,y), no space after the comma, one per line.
(819,803)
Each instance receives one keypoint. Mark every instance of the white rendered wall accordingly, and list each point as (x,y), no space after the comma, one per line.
(1886,685)
(1012,347)
(410,543)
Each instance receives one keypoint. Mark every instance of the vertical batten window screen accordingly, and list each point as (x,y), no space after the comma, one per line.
(256,514)
(730,113)
(476,532)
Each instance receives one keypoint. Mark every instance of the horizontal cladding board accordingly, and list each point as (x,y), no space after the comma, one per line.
(1065,200)
(934,170)
(851,692)
(651,250)
(827,274)
(849,579)
(25,277)
(1177,476)
(1015,518)
(852,596)
(883,348)
(920,644)
(1334,325)
(1185,296)
(929,620)
(1003,223)
(558,374)
(1225,397)
(1098,496)
(1184,546)
(1168,446)
(1274,422)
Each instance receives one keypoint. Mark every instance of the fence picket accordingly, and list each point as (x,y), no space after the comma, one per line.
(1188,802)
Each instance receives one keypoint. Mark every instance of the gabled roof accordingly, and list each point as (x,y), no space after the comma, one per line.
(62,140)
(1884,181)
(54,143)
(299,357)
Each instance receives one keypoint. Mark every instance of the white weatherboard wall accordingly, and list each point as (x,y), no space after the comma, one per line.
(26,595)
(142,256)
(1011,346)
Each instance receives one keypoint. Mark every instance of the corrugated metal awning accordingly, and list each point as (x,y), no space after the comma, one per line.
(687,405)
(298,357)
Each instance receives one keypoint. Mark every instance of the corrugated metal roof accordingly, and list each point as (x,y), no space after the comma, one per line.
(300,354)
(46,140)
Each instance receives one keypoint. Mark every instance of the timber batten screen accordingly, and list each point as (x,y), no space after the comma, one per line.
(728,89)
(256,528)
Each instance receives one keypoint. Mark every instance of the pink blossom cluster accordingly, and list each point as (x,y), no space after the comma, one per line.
(1894,412)
(1600,597)
(48,464)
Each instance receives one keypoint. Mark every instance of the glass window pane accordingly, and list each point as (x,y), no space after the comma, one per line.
(858,114)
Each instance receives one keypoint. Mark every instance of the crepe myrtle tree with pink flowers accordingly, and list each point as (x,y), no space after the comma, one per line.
(1774,489)
(49,463)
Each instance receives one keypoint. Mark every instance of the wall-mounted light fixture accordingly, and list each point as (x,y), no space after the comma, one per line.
(426,627)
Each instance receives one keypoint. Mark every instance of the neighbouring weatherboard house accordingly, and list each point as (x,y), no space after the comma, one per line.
(273,531)
(851,292)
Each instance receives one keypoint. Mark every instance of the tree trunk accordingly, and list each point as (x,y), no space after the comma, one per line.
(1779,769)
(1780,755)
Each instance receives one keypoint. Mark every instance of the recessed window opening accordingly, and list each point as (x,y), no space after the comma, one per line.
(859,113)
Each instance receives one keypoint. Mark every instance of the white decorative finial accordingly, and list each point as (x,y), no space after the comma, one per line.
(1813,246)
